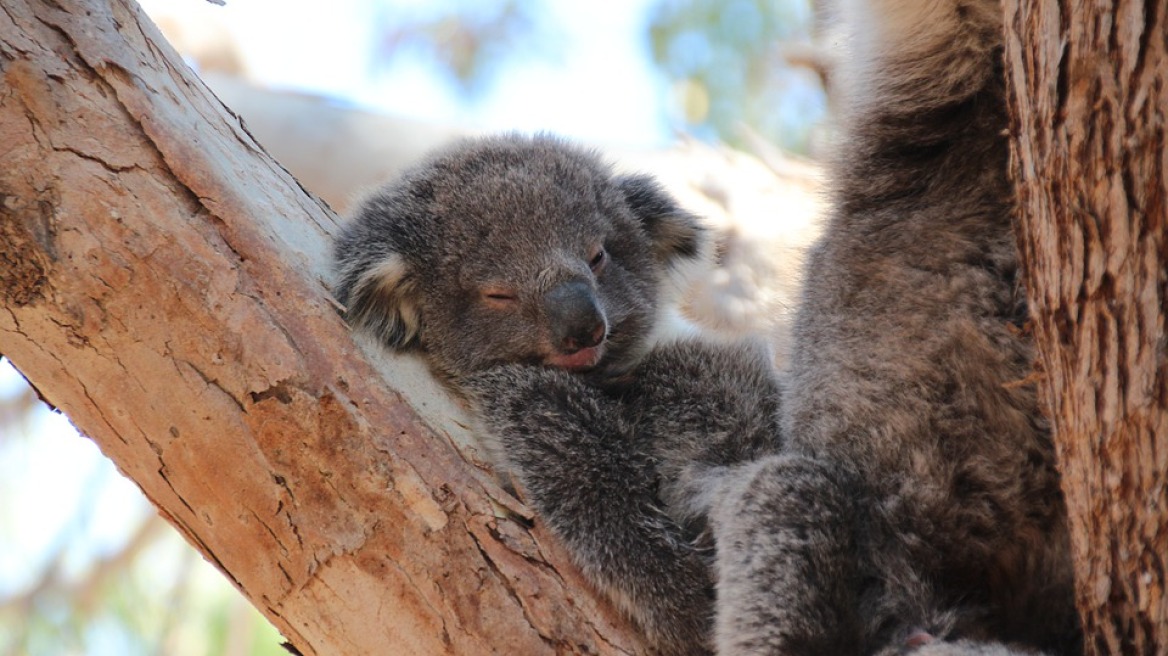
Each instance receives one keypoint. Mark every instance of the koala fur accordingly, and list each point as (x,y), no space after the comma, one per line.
(617,469)
(514,249)
(542,288)
(917,490)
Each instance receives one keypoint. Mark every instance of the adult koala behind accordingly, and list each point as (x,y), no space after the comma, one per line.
(540,287)
(916,507)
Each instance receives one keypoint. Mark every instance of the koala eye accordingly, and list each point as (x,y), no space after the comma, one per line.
(598,260)
(499,297)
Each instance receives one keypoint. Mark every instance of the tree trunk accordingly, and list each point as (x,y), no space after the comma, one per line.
(1089,96)
(160,282)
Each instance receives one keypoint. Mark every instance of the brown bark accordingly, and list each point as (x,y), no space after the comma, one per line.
(160,282)
(1089,94)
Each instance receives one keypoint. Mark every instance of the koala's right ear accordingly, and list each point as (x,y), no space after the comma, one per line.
(677,235)
(383,300)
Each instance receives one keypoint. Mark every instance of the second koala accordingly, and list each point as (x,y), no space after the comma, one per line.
(541,287)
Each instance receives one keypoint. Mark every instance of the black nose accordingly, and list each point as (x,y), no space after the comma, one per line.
(575,318)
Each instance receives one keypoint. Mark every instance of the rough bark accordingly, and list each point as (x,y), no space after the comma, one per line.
(1089,94)
(160,282)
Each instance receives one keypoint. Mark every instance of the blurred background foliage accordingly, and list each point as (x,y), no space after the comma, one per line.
(724,63)
(86,564)
(469,43)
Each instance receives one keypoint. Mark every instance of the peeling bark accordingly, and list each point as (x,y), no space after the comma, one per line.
(160,283)
(1089,95)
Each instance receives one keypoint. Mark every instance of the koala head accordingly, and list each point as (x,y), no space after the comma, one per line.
(514,249)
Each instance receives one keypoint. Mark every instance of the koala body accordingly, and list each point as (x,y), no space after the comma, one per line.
(542,288)
(620,470)
(917,492)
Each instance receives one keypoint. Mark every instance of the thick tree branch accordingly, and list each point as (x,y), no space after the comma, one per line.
(160,280)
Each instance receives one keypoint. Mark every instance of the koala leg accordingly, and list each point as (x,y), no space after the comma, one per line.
(575,454)
(786,560)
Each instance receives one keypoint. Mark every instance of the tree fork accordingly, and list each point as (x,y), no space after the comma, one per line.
(161,284)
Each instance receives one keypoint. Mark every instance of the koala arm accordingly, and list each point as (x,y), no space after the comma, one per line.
(702,408)
(575,454)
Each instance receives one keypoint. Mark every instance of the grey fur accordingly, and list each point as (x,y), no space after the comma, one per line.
(614,468)
(518,217)
(918,490)
(609,455)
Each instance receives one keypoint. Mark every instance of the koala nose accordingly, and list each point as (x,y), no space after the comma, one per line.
(575,318)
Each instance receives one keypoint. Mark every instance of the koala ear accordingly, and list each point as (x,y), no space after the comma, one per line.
(383,300)
(676,234)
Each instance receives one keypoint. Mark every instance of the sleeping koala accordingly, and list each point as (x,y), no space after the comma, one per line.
(517,250)
(542,288)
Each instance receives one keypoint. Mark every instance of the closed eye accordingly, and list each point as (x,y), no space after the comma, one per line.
(500,298)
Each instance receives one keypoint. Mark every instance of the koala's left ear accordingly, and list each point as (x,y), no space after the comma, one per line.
(676,233)
(381,297)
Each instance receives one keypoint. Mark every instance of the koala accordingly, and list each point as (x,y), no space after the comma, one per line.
(542,289)
(915,504)
(517,250)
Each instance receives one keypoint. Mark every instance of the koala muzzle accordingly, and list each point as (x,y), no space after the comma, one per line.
(574,316)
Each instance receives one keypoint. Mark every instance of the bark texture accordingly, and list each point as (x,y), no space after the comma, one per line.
(160,282)
(1089,94)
